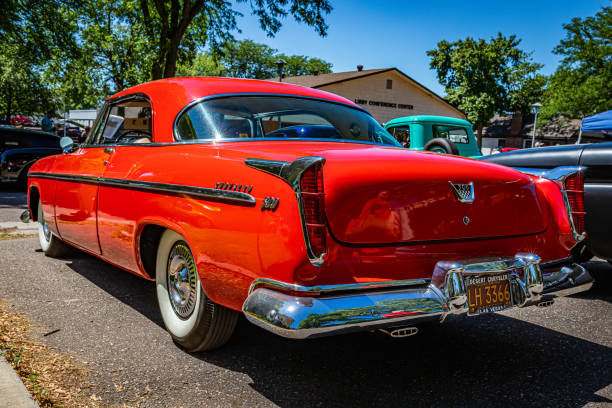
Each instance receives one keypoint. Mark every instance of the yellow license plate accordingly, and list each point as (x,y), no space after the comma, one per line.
(488,293)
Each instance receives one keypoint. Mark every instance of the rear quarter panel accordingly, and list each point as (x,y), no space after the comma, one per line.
(232,244)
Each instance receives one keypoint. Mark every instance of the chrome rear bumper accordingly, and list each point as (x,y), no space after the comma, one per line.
(300,312)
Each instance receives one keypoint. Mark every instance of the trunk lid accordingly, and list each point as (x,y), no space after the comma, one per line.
(391,196)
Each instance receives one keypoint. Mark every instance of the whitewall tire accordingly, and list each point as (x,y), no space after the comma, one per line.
(50,244)
(194,321)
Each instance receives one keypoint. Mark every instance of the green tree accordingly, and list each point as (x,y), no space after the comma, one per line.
(582,84)
(248,59)
(21,88)
(176,27)
(303,65)
(485,77)
(31,33)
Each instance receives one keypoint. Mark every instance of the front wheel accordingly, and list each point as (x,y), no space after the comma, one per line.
(194,321)
(51,245)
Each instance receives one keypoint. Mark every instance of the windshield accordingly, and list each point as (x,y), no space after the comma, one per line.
(278,117)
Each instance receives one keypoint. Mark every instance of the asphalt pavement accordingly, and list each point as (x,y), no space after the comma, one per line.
(560,356)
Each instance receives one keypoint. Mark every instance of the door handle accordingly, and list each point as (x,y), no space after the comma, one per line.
(109,150)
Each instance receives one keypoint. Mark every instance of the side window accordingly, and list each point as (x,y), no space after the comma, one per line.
(401,134)
(456,134)
(96,129)
(212,124)
(125,122)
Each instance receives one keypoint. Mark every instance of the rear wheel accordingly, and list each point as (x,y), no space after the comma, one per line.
(194,321)
(441,145)
(51,245)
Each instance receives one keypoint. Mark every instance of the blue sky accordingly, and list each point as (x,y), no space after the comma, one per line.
(381,34)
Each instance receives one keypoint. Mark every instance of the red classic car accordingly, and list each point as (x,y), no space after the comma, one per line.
(295,207)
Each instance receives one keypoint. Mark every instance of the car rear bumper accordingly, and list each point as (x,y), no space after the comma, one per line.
(300,312)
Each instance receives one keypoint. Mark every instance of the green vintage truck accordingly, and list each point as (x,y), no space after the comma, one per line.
(439,134)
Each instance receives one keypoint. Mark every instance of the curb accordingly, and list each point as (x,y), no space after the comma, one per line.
(13,394)
(16,228)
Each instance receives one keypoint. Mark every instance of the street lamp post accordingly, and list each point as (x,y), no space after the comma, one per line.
(280,64)
(535,108)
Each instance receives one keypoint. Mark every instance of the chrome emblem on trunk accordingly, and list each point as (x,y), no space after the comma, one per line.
(464,192)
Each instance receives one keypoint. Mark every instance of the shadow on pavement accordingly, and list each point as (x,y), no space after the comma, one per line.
(136,292)
(490,360)
(602,288)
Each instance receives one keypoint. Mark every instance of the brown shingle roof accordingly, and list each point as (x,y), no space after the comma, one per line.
(317,81)
(313,81)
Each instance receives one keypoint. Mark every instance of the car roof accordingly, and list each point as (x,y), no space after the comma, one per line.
(169,96)
(187,89)
(14,129)
(429,118)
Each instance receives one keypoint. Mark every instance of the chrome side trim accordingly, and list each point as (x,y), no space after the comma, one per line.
(559,174)
(290,172)
(556,174)
(334,309)
(326,289)
(268,166)
(201,192)
(66,177)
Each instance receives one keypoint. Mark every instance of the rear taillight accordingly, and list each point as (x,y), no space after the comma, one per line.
(313,210)
(574,190)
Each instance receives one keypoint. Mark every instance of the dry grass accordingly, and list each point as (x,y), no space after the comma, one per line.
(4,236)
(53,379)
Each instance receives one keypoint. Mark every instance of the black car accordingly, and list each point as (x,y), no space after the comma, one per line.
(20,148)
(595,160)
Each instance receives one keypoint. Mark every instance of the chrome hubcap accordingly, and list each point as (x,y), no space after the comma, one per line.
(45,228)
(182,280)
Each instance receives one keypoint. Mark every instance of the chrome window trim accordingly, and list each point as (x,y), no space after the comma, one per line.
(250,94)
(559,174)
(105,110)
(251,140)
(290,172)
(201,192)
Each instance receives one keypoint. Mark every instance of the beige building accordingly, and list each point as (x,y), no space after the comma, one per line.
(386,93)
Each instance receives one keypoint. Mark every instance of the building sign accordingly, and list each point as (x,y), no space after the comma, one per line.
(383,104)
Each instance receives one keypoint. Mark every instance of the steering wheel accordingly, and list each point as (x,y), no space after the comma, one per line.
(138,134)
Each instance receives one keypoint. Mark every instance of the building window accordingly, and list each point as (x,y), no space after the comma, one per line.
(389,84)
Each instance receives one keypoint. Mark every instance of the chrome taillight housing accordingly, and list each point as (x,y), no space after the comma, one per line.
(305,176)
(573,188)
(570,180)
(312,198)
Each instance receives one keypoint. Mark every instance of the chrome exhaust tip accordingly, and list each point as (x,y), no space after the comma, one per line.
(25,216)
(401,332)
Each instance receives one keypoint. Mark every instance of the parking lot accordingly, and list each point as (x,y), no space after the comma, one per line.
(108,320)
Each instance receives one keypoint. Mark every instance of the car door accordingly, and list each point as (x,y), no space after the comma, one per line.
(597,197)
(119,203)
(77,176)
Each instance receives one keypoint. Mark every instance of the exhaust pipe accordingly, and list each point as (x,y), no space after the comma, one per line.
(401,332)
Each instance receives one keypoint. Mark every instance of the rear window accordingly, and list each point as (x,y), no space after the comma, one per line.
(278,117)
(456,134)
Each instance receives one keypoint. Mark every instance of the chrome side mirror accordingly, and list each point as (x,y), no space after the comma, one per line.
(66,143)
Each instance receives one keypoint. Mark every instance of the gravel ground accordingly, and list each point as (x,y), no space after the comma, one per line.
(108,319)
